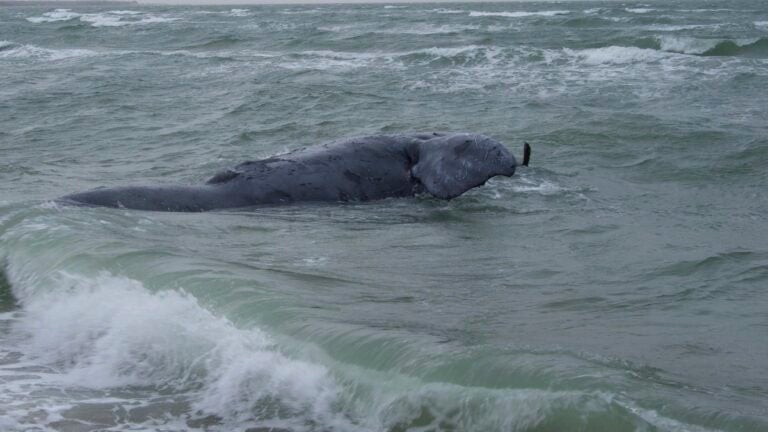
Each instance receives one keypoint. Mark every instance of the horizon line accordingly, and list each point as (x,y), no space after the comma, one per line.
(268,2)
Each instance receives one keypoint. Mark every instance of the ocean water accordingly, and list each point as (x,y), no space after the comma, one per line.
(620,283)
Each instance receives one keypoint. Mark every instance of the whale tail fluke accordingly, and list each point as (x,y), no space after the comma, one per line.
(526,154)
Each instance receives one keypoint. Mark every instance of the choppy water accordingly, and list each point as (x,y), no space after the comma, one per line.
(618,284)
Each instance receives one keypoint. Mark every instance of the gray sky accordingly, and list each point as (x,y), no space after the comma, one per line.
(255,2)
(228,2)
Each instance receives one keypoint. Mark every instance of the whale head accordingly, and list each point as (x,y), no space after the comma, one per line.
(450,165)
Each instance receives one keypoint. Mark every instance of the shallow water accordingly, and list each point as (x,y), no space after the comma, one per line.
(617,284)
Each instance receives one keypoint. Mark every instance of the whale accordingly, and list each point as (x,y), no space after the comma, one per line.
(355,169)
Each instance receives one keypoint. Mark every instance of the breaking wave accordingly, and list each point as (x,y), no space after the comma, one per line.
(97,337)
(639,10)
(166,340)
(116,18)
(714,47)
(448,11)
(614,55)
(518,14)
(10,50)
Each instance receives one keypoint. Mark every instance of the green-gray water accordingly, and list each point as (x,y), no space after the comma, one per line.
(618,284)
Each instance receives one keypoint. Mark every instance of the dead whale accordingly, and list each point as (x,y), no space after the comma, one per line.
(356,169)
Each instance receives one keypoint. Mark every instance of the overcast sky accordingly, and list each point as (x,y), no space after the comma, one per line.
(227,2)
(241,2)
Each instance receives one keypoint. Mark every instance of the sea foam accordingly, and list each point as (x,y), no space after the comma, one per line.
(686,45)
(639,10)
(614,55)
(518,14)
(109,331)
(53,16)
(115,18)
(9,50)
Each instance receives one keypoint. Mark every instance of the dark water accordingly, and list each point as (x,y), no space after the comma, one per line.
(618,284)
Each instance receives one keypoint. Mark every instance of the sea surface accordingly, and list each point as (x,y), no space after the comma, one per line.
(620,283)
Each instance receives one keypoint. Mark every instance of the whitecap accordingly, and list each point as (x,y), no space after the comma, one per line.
(639,10)
(672,28)
(327,60)
(761,25)
(109,20)
(36,52)
(706,10)
(115,18)
(686,45)
(56,15)
(124,12)
(108,332)
(689,45)
(451,51)
(340,28)
(447,11)
(614,55)
(518,14)
(428,29)
(315,261)
(238,12)
(543,188)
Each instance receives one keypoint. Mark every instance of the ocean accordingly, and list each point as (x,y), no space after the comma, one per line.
(619,283)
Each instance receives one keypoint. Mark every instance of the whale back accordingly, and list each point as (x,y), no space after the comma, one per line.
(450,165)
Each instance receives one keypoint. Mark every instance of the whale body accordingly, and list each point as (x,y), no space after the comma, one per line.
(356,169)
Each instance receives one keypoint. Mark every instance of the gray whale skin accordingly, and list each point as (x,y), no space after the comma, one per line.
(356,169)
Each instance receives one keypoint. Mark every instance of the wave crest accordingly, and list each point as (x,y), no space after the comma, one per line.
(615,55)
(116,18)
(714,47)
(518,14)
(108,332)
(9,50)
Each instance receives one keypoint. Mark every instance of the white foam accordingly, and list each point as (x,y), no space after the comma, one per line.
(761,25)
(115,18)
(672,28)
(56,15)
(110,20)
(660,422)
(427,29)
(109,331)
(544,188)
(686,45)
(36,52)
(340,28)
(124,12)
(639,10)
(614,55)
(518,14)
(315,261)
(689,45)
(448,11)
(593,11)
(707,10)
(238,12)
(327,59)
